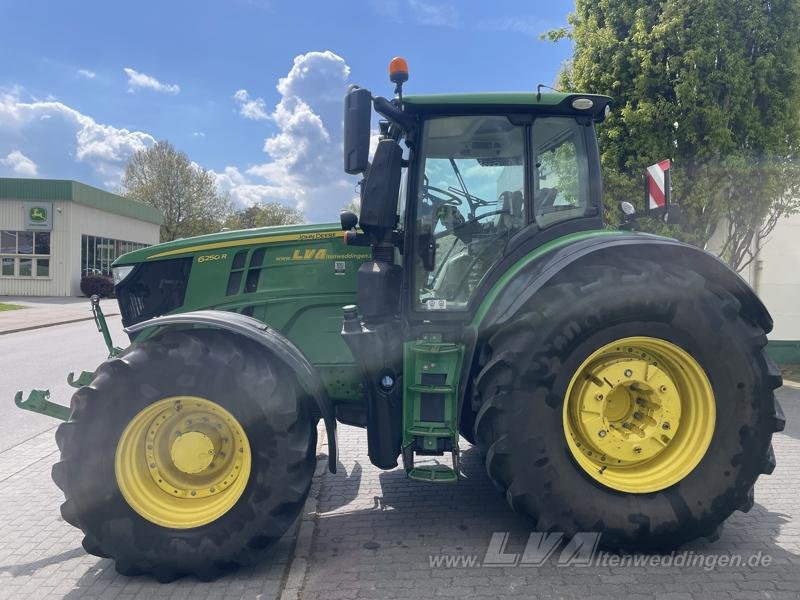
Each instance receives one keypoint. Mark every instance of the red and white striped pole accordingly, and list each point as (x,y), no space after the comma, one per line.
(656,187)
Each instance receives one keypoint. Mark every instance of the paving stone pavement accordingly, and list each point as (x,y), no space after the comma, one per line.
(370,534)
(41,556)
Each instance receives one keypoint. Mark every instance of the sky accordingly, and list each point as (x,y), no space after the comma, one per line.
(250,89)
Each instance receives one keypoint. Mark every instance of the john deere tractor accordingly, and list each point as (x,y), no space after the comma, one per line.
(615,380)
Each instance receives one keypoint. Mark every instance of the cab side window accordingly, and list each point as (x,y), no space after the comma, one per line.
(561,170)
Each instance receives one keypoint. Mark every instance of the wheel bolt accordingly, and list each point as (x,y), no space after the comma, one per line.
(637,416)
(665,426)
(598,396)
(637,449)
(662,389)
(602,433)
(628,372)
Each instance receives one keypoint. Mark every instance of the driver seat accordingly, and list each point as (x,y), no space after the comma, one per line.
(513,217)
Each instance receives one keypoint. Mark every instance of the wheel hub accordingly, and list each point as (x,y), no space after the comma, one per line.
(639,414)
(634,415)
(182,462)
(192,452)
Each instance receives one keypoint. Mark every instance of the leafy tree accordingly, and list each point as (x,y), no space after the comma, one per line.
(715,86)
(264,215)
(186,194)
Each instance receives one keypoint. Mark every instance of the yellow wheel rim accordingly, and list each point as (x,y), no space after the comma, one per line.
(639,414)
(182,462)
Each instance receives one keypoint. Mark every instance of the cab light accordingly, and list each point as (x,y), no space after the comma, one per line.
(582,103)
(120,273)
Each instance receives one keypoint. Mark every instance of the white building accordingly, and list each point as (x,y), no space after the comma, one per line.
(54,231)
(775,276)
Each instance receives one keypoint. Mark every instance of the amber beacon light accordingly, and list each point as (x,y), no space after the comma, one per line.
(398,70)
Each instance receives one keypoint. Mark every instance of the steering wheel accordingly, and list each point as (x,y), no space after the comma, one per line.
(440,196)
(471,222)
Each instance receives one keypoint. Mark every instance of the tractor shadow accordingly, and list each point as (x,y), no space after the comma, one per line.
(30,568)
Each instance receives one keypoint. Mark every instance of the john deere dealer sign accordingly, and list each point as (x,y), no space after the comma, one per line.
(38,216)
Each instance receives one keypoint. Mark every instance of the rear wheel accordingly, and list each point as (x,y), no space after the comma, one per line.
(633,400)
(189,454)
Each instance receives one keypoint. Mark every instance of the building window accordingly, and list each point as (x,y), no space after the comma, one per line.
(24,253)
(97,253)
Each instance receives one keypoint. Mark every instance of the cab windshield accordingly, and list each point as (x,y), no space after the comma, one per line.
(471,197)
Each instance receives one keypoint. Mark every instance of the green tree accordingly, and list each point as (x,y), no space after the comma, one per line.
(712,84)
(186,194)
(264,215)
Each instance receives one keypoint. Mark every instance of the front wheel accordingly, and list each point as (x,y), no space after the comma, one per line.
(189,454)
(632,400)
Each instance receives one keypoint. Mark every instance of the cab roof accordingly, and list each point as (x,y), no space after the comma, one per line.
(551,102)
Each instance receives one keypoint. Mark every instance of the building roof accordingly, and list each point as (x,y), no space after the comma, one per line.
(51,190)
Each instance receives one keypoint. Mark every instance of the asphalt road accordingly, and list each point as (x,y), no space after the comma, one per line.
(41,359)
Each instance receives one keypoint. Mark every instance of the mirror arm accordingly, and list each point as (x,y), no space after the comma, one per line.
(389,110)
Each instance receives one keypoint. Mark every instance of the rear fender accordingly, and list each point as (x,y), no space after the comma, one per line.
(510,294)
(277,344)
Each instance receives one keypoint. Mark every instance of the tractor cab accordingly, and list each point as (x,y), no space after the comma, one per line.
(483,174)
(460,186)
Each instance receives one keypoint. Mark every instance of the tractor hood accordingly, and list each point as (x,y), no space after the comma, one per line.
(229,240)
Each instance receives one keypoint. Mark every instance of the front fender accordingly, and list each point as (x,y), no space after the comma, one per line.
(529,275)
(277,344)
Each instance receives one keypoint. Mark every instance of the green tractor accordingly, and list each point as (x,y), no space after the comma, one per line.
(616,381)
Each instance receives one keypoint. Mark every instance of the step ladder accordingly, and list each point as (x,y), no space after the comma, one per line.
(431,370)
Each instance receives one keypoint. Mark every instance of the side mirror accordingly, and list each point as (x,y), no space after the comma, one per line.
(357,118)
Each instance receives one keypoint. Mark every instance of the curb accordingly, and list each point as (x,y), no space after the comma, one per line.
(791,384)
(294,576)
(43,325)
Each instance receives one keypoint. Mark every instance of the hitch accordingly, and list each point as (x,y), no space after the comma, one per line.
(38,402)
(85,378)
(102,327)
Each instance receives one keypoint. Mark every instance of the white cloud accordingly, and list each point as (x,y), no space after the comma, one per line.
(430,13)
(86,73)
(103,147)
(198,134)
(304,165)
(137,80)
(20,164)
(251,108)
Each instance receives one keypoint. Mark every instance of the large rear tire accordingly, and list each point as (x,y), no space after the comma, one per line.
(188,455)
(581,439)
